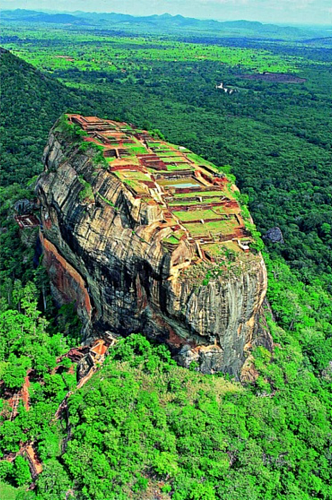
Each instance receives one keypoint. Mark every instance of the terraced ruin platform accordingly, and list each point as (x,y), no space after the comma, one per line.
(197,201)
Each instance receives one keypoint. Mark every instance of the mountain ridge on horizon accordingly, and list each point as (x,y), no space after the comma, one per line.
(169,22)
(165,14)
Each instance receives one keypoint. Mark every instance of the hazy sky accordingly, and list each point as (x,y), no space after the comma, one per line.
(278,11)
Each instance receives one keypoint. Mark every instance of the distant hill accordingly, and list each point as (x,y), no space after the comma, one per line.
(32,16)
(30,103)
(17,14)
(169,22)
(165,23)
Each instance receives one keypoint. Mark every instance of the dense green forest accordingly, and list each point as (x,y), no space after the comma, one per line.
(142,427)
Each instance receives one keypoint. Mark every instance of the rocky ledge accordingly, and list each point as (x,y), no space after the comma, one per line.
(145,236)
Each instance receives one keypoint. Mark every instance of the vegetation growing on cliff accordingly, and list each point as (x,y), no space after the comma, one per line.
(86,195)
(71,132)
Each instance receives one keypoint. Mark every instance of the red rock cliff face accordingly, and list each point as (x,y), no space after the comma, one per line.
(68,286)
(105,252)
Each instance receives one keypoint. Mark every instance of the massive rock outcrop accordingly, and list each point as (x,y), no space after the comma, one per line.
(147,237)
